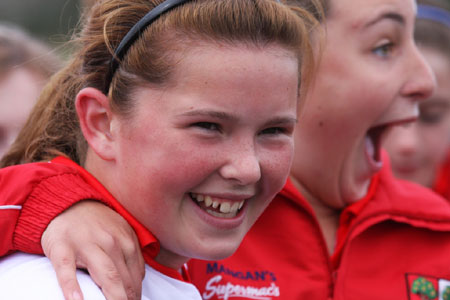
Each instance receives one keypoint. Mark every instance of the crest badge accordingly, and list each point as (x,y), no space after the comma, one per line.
(425,287)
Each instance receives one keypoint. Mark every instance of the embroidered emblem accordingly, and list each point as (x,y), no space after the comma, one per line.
(228,284)
(425,287)
(446,295)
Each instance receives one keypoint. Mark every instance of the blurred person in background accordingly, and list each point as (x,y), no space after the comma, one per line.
(25,66)
(420,151)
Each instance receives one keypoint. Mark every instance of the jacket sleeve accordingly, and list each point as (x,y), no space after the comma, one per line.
(31,196)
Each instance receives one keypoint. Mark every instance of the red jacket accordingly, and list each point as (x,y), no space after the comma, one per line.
(31,195)
(25,206)
(442,182)
(400,234)
(397,244)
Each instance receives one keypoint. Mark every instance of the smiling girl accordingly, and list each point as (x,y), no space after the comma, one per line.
(186,129)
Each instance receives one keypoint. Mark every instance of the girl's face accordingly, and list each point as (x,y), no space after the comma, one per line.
(201,159)
(370,78)
(19,90)
(419,149)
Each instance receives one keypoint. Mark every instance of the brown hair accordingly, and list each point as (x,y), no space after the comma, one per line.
(18,49)
(53,128)
(319,8)
(432,33)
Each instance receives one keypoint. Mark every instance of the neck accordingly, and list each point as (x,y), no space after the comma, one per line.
(327,216)
(170,259)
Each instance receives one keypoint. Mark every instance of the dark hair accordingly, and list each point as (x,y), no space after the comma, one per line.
(53,128)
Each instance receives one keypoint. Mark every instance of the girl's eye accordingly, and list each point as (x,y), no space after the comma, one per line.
(207,126)
(384,50)
(274,130)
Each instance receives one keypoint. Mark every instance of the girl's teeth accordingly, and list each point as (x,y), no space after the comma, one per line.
(224,207)
(241,204)
(208,201)
(234,207)
(228,208)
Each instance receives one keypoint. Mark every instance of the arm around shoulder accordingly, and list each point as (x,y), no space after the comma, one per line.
(31,196)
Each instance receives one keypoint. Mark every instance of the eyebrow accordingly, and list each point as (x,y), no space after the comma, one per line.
(281,120)
(210,113)
(396,17)
(228,117)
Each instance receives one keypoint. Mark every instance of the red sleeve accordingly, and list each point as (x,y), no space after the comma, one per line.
(31,195)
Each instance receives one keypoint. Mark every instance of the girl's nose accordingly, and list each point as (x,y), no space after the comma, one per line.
(421,81)
(242,166)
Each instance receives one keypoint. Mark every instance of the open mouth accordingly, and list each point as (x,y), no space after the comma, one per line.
(375,136)
(373,141)
(218,207)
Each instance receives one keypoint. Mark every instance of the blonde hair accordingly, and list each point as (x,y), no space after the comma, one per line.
(53,128)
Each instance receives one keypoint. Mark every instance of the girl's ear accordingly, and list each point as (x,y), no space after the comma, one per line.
(95,118)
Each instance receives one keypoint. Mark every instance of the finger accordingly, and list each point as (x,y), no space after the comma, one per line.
(108,274)
(124,250)
(63,261)
(122,246)
(134,263)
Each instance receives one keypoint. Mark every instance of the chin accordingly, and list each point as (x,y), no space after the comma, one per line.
(217,251)
(356,193)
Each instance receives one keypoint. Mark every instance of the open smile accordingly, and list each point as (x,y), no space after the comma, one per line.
(218,207)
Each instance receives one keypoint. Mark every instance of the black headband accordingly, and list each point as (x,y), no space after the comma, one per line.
(134,33)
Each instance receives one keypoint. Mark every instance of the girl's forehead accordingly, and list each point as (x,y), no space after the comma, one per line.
(353,18)
(354,8)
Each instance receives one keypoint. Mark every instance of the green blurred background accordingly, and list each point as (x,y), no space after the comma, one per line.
(52,21)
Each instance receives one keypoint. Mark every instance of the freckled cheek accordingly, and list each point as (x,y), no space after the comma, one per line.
(275,166)
(188,167)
